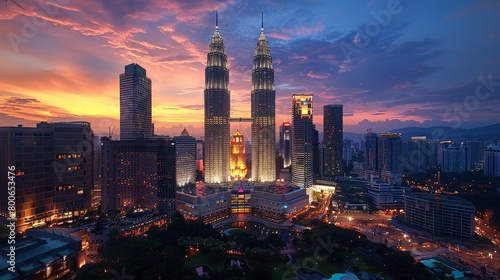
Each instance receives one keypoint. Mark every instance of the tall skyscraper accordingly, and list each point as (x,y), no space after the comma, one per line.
(453,159)
(492,161)
(54,172)
(316,154)
(135,103)
(473,154)
(185,154)
(332,139)
(302,138)
(238,159)
(217,101)
(263,98)
(441,146)
(286,143)
(371,150)
(418,154)
(389,152)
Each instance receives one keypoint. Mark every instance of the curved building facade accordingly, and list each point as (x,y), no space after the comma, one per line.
(217,108)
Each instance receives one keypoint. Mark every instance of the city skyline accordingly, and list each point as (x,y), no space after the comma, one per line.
(414,69)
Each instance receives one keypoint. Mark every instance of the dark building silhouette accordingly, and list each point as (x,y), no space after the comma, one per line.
(332,139)
(492,161)
(371,150)
(315,152)
(389,152)
(279,165)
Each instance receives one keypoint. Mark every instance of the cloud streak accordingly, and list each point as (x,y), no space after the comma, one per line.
(76,57)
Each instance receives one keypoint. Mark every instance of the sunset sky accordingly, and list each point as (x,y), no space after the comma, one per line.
(418,65)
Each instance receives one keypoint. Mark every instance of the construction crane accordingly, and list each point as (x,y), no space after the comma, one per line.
(15,2)
(111,131)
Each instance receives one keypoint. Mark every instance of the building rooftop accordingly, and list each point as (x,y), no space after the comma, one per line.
(436,264)
(443,198)
(39,245)
(277,188)
(493,148)
(201,189)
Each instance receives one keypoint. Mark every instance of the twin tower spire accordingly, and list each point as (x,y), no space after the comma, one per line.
(217,112)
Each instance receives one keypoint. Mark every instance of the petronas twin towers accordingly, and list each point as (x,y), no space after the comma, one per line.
(217,110)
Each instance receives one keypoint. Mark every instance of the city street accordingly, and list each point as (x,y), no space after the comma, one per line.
(378,228)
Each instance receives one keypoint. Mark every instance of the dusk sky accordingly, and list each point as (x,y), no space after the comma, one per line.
(60,60)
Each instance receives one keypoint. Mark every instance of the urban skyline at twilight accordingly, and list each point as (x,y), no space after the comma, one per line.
(411,72)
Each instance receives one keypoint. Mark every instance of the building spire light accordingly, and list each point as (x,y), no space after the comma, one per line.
(262,24)
(216,19)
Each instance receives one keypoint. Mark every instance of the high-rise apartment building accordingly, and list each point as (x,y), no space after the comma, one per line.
(439,214)
(473,154)
(53,166)
(185,154)
(285,144)
(263,98)
(371,150)
(441,146)
(217,102)
(453,159)
(135,103)
(138,174)
(302,138)
(389,152)
(332,139)
(418,154)
(492,161)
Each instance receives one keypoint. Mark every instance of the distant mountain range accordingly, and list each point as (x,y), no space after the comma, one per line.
(443,132)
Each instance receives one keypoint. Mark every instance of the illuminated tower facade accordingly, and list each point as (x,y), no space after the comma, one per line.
(286,143)
(263,98)
(135,103)
(237,157)
(217,133)
(185,159)
(302,140)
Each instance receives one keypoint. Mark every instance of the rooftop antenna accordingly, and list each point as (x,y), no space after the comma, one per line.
(262,24)
(216,19)
(14,1)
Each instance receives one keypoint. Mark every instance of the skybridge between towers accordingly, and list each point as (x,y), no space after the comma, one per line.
(240,120)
